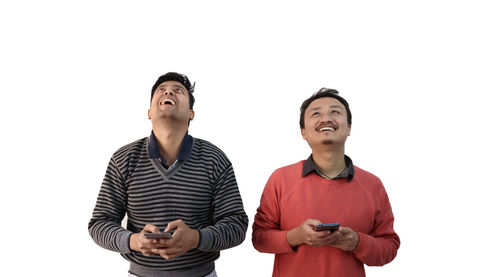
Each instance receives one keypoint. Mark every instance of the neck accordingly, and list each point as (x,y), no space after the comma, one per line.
(330,162)
(169,139)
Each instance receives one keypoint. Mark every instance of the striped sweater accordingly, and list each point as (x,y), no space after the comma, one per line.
(202,191)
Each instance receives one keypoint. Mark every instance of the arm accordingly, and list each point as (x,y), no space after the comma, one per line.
(380,246)
(105,224)
(229,217)
(267,235)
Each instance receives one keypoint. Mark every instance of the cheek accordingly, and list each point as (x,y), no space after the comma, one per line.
(308,132)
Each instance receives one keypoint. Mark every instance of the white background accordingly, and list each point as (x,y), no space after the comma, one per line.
(422,79)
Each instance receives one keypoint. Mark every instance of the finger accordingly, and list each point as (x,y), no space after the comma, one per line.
(174,225)
(170,255)
(169,251)
(344,230)
(148,253)
(323,234)
(164,243)
(312,222)
(150,228)
(161,251)
(145,243)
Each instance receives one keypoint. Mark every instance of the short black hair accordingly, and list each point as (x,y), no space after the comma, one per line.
(181,78)
(324,92)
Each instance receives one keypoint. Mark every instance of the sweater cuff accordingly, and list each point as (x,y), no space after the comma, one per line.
(364,246)
(286,247)
(206,240)
(123,241)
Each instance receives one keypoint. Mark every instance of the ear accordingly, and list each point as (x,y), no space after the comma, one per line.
(149,114)
(349,130)
(303,133)
(191,115)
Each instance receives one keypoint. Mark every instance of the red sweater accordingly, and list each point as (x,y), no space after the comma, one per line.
(361,204)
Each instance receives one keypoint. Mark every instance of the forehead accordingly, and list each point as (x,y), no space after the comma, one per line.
(172,84)
(325,103)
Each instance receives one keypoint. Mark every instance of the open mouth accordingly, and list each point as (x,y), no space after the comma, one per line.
(168,102)
(327,128)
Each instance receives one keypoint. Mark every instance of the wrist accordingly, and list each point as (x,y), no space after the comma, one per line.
(133,244)
(356,234)
(293,238)
(196,238)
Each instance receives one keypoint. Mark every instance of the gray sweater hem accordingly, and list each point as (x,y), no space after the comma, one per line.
(197,271)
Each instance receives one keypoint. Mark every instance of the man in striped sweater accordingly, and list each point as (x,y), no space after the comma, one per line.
(174,183)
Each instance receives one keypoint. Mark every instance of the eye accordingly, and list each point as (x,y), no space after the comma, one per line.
(335,112)
(315,114)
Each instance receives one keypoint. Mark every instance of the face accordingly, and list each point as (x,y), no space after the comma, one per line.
(325,122)
(170,101)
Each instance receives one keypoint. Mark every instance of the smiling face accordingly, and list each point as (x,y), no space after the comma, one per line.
(325,123)
(170,101)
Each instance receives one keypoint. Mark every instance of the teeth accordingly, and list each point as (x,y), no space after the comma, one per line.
(327,129)
(168,101)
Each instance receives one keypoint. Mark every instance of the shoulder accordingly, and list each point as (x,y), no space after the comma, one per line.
(364,174)
(204,145)
(288,172)
(130,150)
(290,169)
(367,179)
(205,150)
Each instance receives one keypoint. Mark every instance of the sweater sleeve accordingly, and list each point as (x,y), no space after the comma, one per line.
(380,246)
(105,224)
(267,235)
(229,217)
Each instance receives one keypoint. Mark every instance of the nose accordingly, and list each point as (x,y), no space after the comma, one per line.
(326,117)
(168,91)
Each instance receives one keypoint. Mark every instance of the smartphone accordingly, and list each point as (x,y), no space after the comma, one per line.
(324,227)
(160,235)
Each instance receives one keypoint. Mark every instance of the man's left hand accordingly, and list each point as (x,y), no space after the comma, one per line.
(345,238)
(183,240)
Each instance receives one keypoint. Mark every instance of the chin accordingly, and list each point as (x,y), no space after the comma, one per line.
(327,142)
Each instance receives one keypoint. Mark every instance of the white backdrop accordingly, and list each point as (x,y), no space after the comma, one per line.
(422,79)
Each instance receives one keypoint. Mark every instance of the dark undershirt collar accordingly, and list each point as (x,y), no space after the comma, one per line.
(184,152)
(310,166)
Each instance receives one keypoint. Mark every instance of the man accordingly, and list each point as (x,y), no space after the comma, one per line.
(326,188)
(174,183)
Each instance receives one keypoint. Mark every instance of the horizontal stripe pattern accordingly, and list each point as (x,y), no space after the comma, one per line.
(202,191)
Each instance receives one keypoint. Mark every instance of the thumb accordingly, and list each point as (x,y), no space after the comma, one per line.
(312,222)
(150,228)
(344,230)
(173,225)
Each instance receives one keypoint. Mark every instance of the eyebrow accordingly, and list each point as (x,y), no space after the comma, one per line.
(319,107)
(175,86)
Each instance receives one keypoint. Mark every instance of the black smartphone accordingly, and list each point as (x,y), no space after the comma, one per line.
(160,235)
(329,226)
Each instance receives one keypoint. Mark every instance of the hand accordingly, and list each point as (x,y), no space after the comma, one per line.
(304,234)
(345,238)
(141,244)
(183,240)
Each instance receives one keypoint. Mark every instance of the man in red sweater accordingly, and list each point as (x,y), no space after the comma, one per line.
(325,188)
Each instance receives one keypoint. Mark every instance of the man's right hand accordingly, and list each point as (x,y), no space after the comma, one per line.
(304,234)
(141,244)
